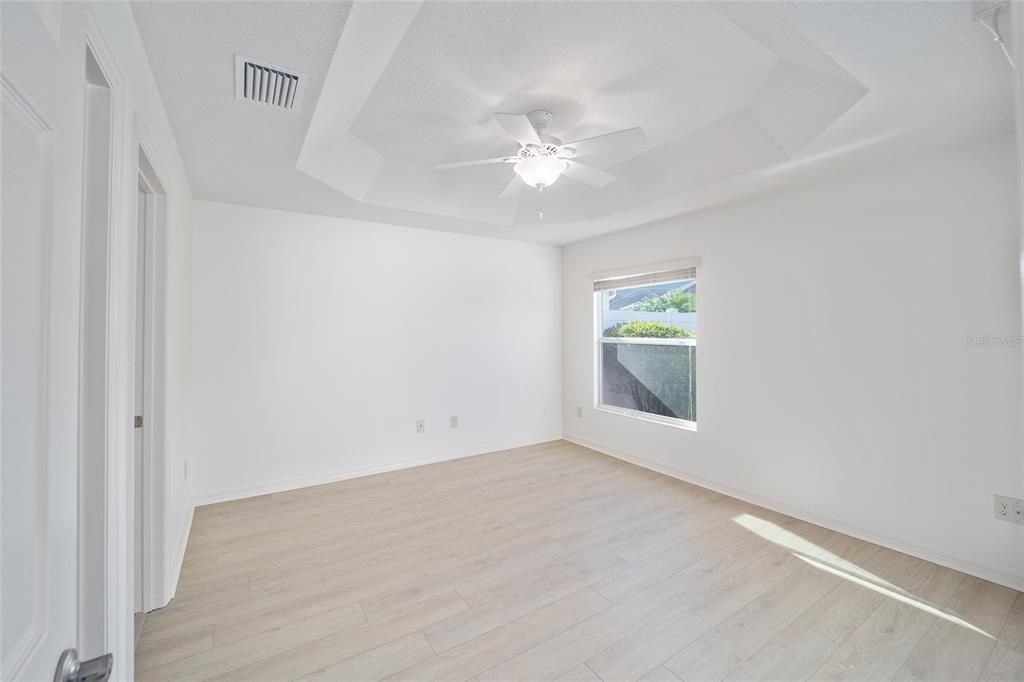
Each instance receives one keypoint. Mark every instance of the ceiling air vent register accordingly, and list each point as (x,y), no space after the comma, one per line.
(267,84)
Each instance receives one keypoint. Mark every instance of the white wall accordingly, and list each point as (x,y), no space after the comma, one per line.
(318,342)
(864,409)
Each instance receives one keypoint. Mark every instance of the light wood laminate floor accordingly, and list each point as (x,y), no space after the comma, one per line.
(556,562)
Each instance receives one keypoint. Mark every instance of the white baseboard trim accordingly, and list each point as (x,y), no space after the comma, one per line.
(958,562)
(305,482)
(179,558)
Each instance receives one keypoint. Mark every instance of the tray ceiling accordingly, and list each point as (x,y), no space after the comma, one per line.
(735,98)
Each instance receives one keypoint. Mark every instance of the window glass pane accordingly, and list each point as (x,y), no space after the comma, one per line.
(648,348)
(657,380)
(671,307)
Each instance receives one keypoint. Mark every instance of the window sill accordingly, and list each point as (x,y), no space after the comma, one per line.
(644,417)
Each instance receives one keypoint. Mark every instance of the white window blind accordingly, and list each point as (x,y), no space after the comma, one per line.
(645,278)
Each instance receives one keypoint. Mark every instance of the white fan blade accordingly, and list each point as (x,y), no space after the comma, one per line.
(513,188)
(519,127)
(588,175)
(480,162)
(633,137)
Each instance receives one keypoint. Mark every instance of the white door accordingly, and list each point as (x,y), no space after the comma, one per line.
(39,345)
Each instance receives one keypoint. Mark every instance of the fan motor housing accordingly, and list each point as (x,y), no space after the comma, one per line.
(548,149)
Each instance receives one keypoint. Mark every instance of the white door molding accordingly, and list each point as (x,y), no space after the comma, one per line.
(118,618)
(1016,12)
(156,552)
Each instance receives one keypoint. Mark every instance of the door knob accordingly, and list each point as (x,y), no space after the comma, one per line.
(70,669)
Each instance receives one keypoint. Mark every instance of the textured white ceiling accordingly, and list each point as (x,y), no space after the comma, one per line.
(735,98)
(669,68)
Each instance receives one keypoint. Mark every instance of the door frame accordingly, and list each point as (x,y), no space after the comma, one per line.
(149,170)
(130,141)
(117,548)
(1016,13)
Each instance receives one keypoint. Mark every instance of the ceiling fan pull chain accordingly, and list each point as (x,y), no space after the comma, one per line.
(540,202)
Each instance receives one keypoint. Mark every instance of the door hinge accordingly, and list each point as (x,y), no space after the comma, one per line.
(138,421)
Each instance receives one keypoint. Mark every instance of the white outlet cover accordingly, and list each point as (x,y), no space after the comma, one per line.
(1008,509)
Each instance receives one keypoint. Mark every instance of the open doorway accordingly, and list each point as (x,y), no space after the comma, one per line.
(140,408)
(147,446)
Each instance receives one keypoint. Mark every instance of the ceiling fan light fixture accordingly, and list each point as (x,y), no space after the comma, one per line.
(540,171)
(542,159)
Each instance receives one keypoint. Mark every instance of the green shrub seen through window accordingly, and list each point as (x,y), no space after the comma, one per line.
(642,329)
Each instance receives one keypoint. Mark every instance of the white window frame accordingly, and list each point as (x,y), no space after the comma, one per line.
(600,341)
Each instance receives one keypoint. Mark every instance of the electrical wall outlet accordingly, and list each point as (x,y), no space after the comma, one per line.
(1008,509)
(579,411)
(453,422)
(421,425)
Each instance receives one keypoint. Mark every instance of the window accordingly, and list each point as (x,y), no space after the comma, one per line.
(647,345)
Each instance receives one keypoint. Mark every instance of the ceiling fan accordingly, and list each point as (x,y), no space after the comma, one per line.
(542,159)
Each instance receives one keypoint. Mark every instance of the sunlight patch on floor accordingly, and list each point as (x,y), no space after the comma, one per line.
(896,594)
(824,560)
